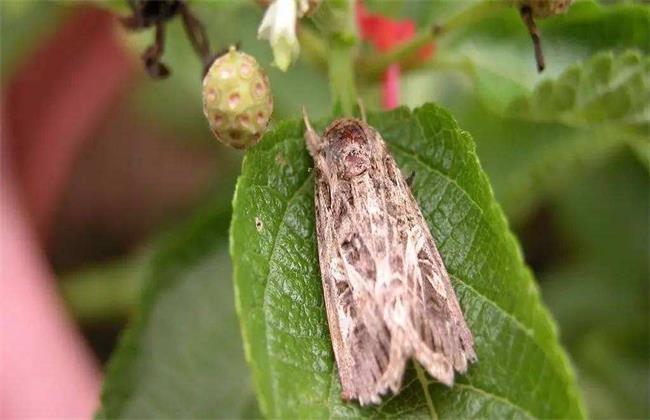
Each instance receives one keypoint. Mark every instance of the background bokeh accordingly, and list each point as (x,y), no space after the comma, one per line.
(146,163)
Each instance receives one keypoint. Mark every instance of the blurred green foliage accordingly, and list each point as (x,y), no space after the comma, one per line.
(181,357)
(23,24)
(599,295)
(584,183)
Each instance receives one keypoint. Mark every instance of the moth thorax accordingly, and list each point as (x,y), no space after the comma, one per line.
(354,162)
(349,146)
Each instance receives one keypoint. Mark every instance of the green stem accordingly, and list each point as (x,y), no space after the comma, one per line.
(335,20)
(375,66)
(341,75)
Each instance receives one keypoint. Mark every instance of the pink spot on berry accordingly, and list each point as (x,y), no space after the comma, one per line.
(244,120)
(260,119)
(218,120)
(259,89)
(226,72)
(212,95)
(245,70)
(233,100)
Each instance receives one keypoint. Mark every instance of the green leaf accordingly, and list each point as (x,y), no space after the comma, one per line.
(182,357)
(599,294)
(564,127)
(572,123)
(641,149)
(522,370)
(605,89)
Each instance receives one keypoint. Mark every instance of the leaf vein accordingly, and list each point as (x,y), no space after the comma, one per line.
(488,394)
(425,389)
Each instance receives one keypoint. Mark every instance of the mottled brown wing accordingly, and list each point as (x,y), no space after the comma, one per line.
(360,349)
(387,294)
(439,320)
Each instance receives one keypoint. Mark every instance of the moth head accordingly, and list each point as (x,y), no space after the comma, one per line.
(349,146)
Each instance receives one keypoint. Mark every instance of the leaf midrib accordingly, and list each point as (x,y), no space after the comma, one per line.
(495,397)
(425,389)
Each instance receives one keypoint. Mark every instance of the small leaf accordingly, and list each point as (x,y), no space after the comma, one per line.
(181,357)
(566,126)
(522,371)
(591,110)
(607,88)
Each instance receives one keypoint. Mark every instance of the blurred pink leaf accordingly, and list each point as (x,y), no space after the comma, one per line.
(50,109)
(56,99)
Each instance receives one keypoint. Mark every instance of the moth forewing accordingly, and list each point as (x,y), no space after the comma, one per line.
(387,293)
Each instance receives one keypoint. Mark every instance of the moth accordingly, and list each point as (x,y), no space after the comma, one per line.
(387,292)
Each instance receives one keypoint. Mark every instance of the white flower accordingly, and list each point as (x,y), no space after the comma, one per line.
(279,27)
(303,7)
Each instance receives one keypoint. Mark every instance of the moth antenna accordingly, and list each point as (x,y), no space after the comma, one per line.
(305,118)
(312,138)
(362,110)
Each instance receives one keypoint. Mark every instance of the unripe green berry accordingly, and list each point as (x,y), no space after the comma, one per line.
(237,99)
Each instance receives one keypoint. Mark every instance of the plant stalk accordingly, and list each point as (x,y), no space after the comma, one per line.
(335,19)
(341,76)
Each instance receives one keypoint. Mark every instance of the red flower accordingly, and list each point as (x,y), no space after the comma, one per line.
(386,33)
